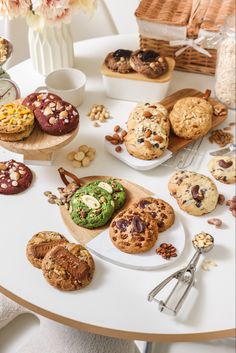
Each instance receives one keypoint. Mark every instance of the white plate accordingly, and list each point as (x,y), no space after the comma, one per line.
(134,162)
(102,246)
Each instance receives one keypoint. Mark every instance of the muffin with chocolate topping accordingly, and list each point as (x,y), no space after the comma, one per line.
(119,61)
(148,63)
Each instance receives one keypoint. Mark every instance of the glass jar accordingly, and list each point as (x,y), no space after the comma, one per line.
(225,83)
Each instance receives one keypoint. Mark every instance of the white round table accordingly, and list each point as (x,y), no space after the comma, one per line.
(115,303)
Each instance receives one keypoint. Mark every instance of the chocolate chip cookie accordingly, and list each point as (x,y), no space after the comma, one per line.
(191,117)
(177,179)
(197,195)
(160,211)
(114,188)
(119,61)
(147,141)
(153,112)
(223,169)
(133,231)
(39,245)
(57,117)
(68,267)
(148,63)
(91,207)
(15,177)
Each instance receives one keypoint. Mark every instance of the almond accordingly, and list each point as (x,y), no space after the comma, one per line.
(147,144)
(147,114)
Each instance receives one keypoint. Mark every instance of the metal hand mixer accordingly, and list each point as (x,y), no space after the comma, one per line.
(202,242)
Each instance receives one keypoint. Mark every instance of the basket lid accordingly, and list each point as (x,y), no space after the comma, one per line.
(174,12)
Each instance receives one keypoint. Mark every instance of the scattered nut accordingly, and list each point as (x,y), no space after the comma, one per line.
(221,199)
(166,250)
(95,124)
(117,128)
(71,155)
(90,155)
(79,156)
(98,112)
(76,164)
(221,137)
(232,205)
(215,221)
(85,162)
(118,149)
(116,139)
(83,148)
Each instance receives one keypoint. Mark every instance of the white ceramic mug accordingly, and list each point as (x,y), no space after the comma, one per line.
(67,83)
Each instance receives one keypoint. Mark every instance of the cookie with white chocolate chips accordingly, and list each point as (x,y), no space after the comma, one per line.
(57,117)
(15,177)
(68,267)
(91,207)
(39,245)
(133,231)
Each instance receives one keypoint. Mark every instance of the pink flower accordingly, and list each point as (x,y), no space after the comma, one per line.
(51,10)
(14,8)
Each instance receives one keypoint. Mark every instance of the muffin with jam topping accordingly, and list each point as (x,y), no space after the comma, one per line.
(148,63)
(119,61)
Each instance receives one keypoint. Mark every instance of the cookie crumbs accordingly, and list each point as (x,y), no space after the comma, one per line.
(82,157)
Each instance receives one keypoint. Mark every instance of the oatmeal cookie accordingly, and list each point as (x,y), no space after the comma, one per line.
(15,177)
(191,117)
(148,63)
(223,169)
(39,245)
(119,61)
(68,267)
(147,141)
(133,231)
(153,112)
(197,195)
(160,211)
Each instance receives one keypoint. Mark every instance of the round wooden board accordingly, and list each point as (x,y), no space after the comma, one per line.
(82,235)
(39,145)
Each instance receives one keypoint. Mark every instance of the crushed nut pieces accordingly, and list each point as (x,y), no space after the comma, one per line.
(221,137)
(117,138)
(98,112)
(203,240)
(65,195)
(166,250)
(82,157)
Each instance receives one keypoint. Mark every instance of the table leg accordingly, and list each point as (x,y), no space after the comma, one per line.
(148,347)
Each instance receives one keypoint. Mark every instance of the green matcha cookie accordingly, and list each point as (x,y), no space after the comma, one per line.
(91,207)
(115,189)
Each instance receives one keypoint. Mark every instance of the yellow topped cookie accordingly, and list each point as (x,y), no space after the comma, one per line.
(15,118)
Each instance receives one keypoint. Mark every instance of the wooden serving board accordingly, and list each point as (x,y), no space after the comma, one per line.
(134,192)
(177,143)
(39,145)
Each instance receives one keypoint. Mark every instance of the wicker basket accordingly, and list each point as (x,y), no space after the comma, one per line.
(207,15)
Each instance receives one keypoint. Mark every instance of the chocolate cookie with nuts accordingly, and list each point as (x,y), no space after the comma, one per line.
(160,211)
(15,177)
(197,195)
(133,231)
(223,169)
(119,61)
(91,207)
(57,117)
(148,63)
(68,267)
(34,100)
(147,141)
(39,245)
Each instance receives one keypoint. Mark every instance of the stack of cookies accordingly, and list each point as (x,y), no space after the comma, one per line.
(53,115)
(145,62)
(16,122)
(135,230)
(148,131)
(195,193)
(93,205)
(65,265)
